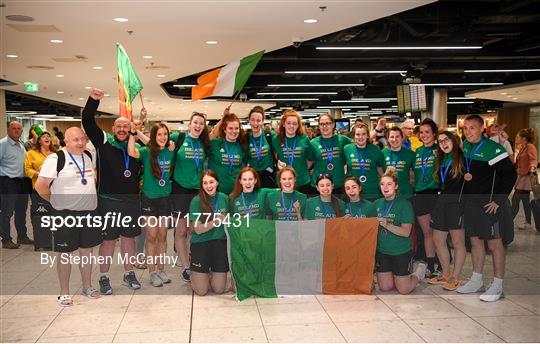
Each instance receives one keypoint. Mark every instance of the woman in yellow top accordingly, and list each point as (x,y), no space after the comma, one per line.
(32,165)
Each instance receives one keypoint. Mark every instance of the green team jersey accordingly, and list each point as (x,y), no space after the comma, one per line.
(296,152)
(280,204)
(151,187)
(317,209)
(364,161)
(253,202)
(260,153)
(219,204)
(397,212)
(323,148)
(360,209)
(403,161)
(187,173)
(424,168)
(226,159)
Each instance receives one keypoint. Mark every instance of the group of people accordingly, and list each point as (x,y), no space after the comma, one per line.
(446,186)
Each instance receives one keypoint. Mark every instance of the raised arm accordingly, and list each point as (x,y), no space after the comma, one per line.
(132,150)
(88,117)
(215,131)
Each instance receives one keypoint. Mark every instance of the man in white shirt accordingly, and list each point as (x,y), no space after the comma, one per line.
(67,180)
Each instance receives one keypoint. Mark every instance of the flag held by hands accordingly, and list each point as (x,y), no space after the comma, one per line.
(129,84)
(225,81)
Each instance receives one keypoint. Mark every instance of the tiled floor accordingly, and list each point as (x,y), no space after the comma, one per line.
(29,312)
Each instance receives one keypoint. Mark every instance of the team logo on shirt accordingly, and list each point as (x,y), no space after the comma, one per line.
(278,204)
(317,208)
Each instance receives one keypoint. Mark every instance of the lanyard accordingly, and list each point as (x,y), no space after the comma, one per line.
(329,152)
(161,165)
(258,149)
(398,157)
(326,214)
(83,180)
(445,173)
(197,154)
(386,210)
(288,211)
(362,167)
(230,157)
(425,162)
(471,155)
(407,144)
(359,209)
(249,209)
(290,152)
(215,204)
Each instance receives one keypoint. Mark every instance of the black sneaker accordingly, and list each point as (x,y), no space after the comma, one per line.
(130,280)
(25,241)
(105,285)
(186,275)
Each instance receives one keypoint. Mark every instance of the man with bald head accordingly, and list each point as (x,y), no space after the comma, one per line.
(12,187)
(67,181)
(118,190)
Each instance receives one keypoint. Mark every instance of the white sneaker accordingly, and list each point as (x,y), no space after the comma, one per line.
(161,274)
(155,280)
(471,287)
(420,271)
(492,294)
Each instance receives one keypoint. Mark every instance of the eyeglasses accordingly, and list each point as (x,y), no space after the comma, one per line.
(195,113)
(326,124)
(444,140)
(408,128)
(323,175)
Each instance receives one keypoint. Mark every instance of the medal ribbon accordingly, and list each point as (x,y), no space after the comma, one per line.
(78,168)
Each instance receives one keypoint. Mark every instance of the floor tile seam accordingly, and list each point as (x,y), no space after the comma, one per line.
(468,316)
(262,322)
(333,322)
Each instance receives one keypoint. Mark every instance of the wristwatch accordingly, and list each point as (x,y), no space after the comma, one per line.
(133,133)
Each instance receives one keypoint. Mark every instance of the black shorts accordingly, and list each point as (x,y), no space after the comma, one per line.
(400,265)
(446,216)
(120,209)
(70,236)
(209,256)
(155,206)
(479,224)
(181,198)
(424,201)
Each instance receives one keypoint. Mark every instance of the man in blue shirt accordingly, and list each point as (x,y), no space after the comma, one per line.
(12,187)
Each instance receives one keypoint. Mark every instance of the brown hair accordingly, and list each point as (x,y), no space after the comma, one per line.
(206,207)
(528,134)
(398,129)
(327,115)
(205,136)
(457,156)
(360,126)
(37,145)
(238,187)
(283,170)
(231,117)
(357,182)
(286,114)
(154,148)
(256,109)
(335,202)
(391,174)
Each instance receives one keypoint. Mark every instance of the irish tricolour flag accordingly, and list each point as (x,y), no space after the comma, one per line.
(129,84)
(225,81)
(332,256)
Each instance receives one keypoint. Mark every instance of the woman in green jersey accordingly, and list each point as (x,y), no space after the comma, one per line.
(285,203)
(188,167)
(355,205)
(426,188)
(325,205)
(227,153)
(208,240)
(328,152)
(247,196)
(365,161)
(260,154)
(292,148)
(157,160)
(394,244)
(401,160)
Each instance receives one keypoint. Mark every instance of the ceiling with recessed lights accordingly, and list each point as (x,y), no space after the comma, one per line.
(165,40)
(343,50)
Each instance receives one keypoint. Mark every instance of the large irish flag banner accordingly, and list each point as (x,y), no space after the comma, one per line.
(129,84)
(332,256)
(224,81)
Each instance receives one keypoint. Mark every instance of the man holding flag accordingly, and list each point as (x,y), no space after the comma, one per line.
(118,187)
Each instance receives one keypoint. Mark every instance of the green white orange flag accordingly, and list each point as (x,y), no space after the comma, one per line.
(129,84)
(332,256)
(225,81)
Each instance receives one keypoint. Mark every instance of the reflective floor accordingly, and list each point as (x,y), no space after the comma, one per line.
(29,312)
